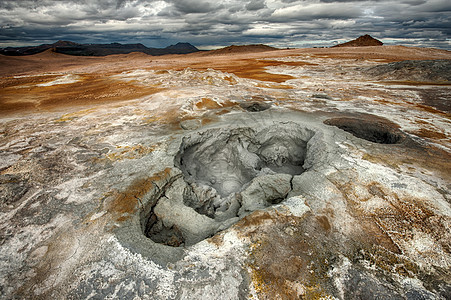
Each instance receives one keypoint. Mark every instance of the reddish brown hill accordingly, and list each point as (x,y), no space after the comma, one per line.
(241,49)
(363,41)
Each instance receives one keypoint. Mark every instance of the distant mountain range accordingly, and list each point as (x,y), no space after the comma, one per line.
(71,48)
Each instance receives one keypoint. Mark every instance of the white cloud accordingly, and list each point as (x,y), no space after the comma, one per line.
(317,11)
(336,24)
(269,30)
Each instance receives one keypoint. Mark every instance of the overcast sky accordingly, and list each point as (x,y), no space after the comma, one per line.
(214,23)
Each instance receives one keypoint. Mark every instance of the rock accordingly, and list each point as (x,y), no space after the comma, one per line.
(179,224)
(190,124)
(8,159)
(265,191)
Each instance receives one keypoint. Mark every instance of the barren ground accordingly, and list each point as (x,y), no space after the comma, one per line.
(275,175)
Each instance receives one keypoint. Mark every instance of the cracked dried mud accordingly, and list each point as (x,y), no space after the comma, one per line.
(288,174)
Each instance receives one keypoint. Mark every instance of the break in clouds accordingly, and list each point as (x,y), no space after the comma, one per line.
(212,23)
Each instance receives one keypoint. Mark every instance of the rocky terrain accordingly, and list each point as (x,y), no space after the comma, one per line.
(423,71)
(284,174)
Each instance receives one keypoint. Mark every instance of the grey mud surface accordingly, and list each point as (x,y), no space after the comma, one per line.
(281,163)
(220,175)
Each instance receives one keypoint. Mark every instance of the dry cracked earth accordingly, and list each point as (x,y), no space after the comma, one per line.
(289,174)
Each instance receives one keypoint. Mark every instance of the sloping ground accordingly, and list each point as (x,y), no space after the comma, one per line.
(287,174)
(44,62)
(382,54)
(417,71)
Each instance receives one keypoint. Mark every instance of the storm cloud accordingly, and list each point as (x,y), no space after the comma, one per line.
(212,23)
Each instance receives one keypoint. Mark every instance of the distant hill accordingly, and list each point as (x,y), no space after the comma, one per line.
(182,48)
(71,48)
(362,41)
(241,49)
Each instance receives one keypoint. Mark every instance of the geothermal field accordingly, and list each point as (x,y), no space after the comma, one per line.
(240,173)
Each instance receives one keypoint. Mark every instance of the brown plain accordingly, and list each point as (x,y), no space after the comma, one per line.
(20,76)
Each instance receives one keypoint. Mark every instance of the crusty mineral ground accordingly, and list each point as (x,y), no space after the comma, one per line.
(288,174)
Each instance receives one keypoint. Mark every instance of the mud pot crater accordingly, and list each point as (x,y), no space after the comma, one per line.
(376,131)
(221,175)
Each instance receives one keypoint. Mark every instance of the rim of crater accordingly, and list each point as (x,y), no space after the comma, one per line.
(129,231)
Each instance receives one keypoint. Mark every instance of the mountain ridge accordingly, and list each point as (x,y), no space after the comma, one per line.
(72,48)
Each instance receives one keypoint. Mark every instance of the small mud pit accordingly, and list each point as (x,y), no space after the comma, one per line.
(158,232)
(225,175)
(376,131)
(255,106)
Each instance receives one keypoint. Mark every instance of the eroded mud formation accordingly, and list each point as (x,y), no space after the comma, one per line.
(376,131)
(227,174)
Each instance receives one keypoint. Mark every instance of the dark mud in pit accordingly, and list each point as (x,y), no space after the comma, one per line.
(226,174)
(158,232)
(376,131)
(255,106)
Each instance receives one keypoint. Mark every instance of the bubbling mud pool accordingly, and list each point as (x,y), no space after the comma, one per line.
(225,175)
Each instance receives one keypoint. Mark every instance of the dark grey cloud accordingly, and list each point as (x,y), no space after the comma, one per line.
(193,6)
(255,5)
(414,2)
(215,23)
